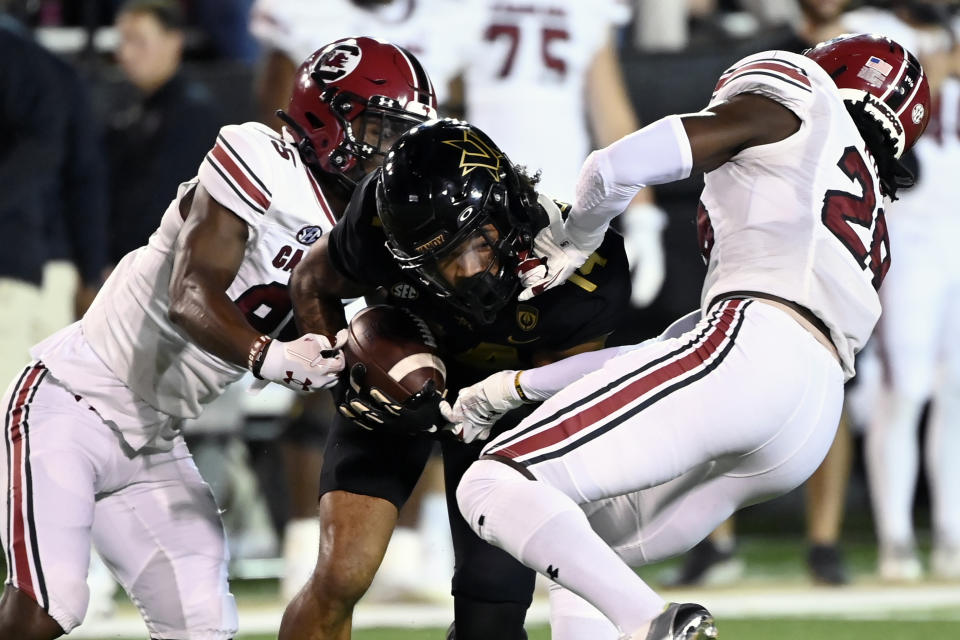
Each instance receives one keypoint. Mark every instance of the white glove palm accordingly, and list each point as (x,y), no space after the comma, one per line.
(558,258)
(309,363)
(479,406)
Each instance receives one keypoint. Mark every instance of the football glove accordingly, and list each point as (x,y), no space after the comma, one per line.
(372,409)
(309,363)
(479,406)
(642,230)
(558,258)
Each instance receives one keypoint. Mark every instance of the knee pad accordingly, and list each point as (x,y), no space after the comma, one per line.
(476,489)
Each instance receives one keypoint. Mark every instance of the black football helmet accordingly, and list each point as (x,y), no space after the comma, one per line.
(458,214)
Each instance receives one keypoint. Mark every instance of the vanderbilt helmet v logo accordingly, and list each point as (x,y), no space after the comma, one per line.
(476,154)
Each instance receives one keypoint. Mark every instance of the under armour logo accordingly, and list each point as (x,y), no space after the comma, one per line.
(305,384)
(552,573)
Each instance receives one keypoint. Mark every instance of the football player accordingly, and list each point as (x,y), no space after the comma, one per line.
(440,32)
(441,230)
(921,361)
(562,53)
(93,443)
(638,454)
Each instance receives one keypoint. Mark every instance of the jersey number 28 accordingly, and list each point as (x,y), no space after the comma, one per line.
(844,213)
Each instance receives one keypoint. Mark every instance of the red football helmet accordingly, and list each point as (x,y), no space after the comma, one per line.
(380,84)
(885,78)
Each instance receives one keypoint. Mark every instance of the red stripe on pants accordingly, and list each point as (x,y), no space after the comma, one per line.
(616,401)
(20,572)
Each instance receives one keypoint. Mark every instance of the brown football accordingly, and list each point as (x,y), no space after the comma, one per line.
(398,350)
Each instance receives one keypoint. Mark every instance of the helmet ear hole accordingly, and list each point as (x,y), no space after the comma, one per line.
(315,122)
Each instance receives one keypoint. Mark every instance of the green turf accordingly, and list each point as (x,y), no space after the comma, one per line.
(759,629)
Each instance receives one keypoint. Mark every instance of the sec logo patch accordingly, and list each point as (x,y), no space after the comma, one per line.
(309,235)
(404,291)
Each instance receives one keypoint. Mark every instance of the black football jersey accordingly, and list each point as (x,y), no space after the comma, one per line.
(588,306)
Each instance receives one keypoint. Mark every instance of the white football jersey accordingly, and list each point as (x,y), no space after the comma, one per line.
(440,33)
(802,218)
(526,85)
(161,376)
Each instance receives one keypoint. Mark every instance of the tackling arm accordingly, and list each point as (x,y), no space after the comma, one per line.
(667,150)
(208,253)
(611,117)
(317,288)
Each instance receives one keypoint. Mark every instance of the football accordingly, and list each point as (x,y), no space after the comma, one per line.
(397,349)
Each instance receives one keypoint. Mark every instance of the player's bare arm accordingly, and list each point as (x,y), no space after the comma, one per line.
(209,250)
(317,288)
(667,150)
(746,120)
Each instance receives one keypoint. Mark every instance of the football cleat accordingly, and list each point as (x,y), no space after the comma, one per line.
(826,565)
(681,621)
(899,564)
(706,565)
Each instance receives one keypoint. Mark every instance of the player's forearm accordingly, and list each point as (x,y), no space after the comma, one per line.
(611,177)
(322,315)
(543,382)
(213,322)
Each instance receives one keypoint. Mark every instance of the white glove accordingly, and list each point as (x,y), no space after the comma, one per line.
(642,234)
(309,363)
(479,406)
(558,258)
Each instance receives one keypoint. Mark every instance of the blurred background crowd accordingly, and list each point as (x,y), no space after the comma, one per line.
(106,105)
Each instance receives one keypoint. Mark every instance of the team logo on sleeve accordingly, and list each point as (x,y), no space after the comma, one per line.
(527,317)
(338,62)
(309,234)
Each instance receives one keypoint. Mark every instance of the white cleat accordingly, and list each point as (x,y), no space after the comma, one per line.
(680,621)
(899,565)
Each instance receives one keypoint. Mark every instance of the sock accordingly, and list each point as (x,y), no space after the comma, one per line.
(943,443)
(573,618)
(893,459)
(547,531)
(433,528)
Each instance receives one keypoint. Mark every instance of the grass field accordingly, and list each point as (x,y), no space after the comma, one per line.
(753,629)
(774,601)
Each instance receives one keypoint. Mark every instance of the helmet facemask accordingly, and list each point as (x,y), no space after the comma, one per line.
(370,128)
(474,271)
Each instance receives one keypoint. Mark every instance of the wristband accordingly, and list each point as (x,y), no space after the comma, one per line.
(258,351)
(516,385)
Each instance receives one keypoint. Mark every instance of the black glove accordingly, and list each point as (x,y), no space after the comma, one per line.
(372,409)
